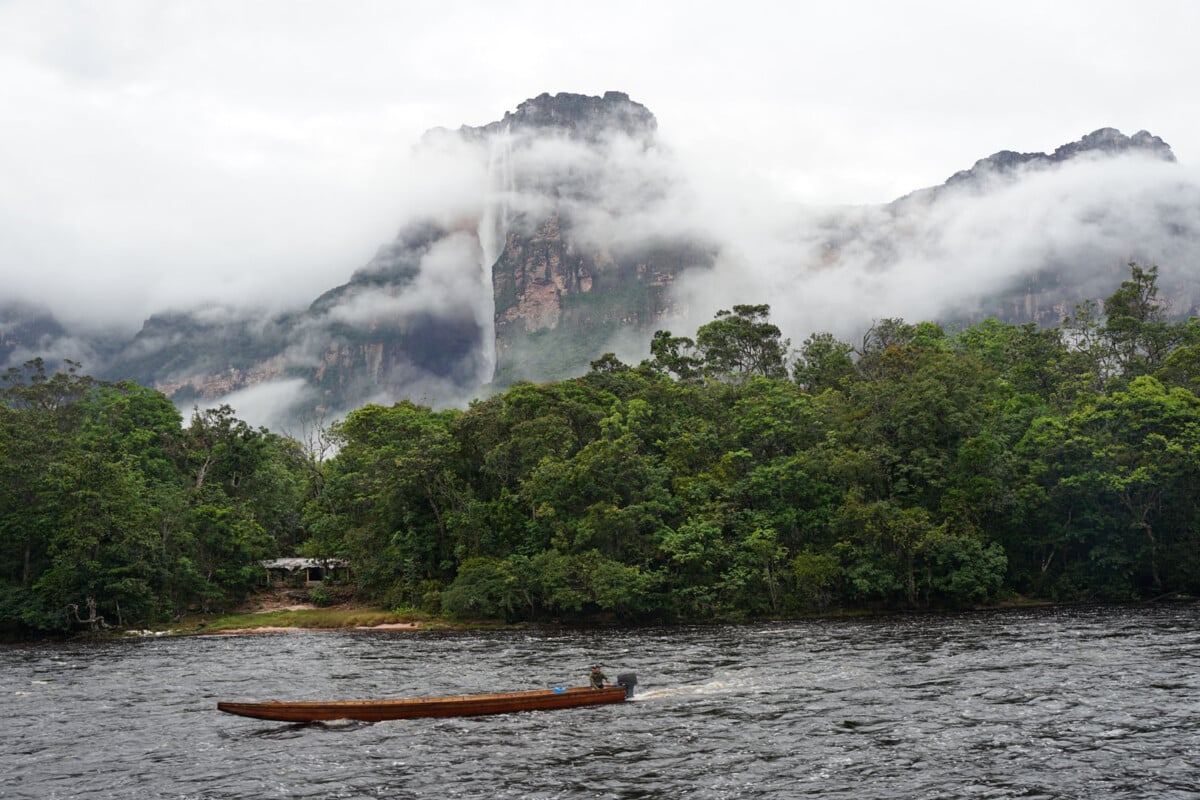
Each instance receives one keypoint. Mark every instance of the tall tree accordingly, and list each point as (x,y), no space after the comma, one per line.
(742,343)
(1136,326)
(824,363)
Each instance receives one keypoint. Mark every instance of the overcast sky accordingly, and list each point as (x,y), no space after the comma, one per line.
(159,153)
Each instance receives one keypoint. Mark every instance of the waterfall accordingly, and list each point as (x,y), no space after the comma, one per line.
(493,233)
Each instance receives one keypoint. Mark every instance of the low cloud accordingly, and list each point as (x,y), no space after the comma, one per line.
(952,254)
(273,404)
(449,274)
(953,257)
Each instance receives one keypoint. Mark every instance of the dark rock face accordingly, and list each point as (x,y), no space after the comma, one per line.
(1103,142)
(557,292)
(566,251)
(578,115)
(1111,141)
(561,292)
(25,331)
(559,302)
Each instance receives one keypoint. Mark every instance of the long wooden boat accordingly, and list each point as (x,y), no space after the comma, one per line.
(466,705)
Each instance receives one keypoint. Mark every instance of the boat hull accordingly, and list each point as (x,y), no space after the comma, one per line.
(469,705)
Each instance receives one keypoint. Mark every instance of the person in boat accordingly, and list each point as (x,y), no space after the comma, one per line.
(597,678)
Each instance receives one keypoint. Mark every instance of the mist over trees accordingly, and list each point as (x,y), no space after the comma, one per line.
(726,477)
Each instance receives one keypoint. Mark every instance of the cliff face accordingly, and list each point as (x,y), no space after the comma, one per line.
(532,284)
(560,302)
(1009,164)
(573,272)
(576,115)
(574,241)
(1062,226)
(24,331)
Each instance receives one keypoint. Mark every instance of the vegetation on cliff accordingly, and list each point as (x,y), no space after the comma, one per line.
(724,477)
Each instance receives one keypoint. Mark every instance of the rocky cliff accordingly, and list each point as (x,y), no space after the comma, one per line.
(540,279)
(575,271)
(1008,164)
(579,116)
(577,240)
(560,302)
(1033,233)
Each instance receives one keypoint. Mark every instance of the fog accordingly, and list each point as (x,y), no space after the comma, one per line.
(1085,219)
(243,159)
(945,255)
(950,255)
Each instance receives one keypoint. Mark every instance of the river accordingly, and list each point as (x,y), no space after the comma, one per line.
(1048,703)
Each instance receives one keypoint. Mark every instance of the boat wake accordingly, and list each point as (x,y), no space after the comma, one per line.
(341,724)
(695,690)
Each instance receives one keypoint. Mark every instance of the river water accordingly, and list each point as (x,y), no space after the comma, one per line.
(1057,703)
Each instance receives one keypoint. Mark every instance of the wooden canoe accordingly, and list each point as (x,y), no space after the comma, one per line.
(466,705)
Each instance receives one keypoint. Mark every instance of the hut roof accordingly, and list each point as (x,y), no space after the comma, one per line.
(293,564)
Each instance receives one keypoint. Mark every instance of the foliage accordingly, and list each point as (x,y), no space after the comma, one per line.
(921,468)
(112,513)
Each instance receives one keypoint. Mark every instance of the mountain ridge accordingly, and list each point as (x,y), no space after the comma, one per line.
(1100,142)
(571,251)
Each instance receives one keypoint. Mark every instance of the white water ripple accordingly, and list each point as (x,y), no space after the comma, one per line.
(1066,703)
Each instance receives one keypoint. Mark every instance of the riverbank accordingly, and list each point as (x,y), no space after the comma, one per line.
(299,618)
(285,612)
(282,611)
(282,614)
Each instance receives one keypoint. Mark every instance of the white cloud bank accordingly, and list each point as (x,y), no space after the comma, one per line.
(162,155)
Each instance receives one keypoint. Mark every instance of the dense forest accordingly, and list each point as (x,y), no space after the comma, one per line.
(114,513)
(726,477)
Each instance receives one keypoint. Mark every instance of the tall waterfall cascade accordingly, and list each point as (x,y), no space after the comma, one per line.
(493,233)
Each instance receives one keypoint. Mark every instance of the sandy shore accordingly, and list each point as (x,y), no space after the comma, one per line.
(387,626)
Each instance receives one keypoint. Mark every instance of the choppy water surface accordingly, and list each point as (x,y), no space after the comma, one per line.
(1092,703)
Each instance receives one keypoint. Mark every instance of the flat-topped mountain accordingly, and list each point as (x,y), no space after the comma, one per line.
(579,115)
(583,237)
(1102,143)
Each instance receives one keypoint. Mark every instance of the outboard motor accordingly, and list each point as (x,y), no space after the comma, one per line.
(628,680)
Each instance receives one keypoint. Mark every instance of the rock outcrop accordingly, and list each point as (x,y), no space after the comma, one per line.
(541,291)
(577,115)
(560,302)
(562,291)
(1102,143)
(573,247)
